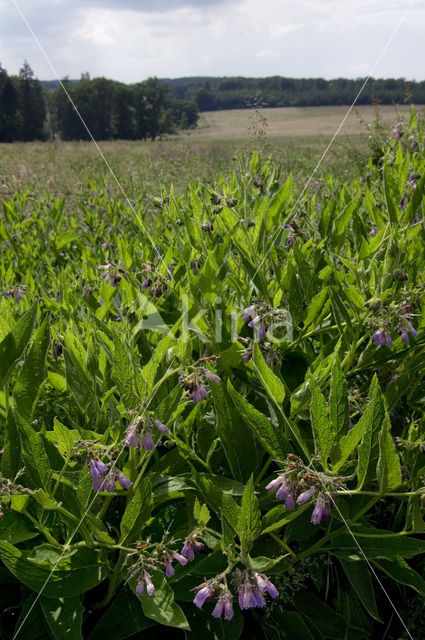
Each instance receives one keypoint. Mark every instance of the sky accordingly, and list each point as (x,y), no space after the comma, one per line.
(131,40)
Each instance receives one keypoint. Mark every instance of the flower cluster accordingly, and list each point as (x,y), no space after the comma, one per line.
(9,488)
(113,273)
(153,280)
(396,317)
(300,484)
(250,587)
(260,316)
(139,432)
(16,292)
(219,202)
(194,382)
(270,353)
(102,478)
(294,231)
(156,556)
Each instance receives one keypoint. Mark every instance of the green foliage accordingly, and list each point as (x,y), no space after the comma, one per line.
(205,372)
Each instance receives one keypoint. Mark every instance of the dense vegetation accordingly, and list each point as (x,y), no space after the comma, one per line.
(211,411)
(111,110)
(276,91)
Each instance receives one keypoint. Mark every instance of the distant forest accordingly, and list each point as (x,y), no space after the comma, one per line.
(35,110)
(212,94)
(30,110)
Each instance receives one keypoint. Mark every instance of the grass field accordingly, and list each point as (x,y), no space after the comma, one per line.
(296,137)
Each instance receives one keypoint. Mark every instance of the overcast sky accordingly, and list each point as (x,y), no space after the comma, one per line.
(130,40)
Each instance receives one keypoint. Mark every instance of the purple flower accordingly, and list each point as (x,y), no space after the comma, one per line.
(388,339)
(96,466)
(203,593)
(194,267)
(146,283)
(259,599)
(275,484)
(378,338)
(248,313)
(247,357)
(373,232)
(254,322)
(97,484)
(306,495)
(289,502)
(404,335)
(412,330)
(246,597)
(169,569)
(161,427)
(140,587)
(396,133)
(283,491)
(321,510)
(224,606)
(109,483)
(150,589)
(218,609)
(179,557)
(264,584)
(131,436)
(262,331)
(191,546)
(198,393)
(18,294)
(123,481)
(146,440)
(210,375)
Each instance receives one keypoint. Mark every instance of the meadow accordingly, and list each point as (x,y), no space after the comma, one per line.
(212,392)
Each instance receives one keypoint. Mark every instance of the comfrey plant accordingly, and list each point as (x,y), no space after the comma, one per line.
(299,484)
(146,482)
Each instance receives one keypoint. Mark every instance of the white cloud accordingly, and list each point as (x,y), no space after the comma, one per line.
(129,40)
(278,30)
(266,53)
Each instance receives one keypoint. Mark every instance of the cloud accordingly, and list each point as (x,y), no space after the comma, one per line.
(149,6)
(266,53)
(278,30)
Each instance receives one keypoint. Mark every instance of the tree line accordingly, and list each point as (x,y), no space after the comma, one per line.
(212,94)
(29,110)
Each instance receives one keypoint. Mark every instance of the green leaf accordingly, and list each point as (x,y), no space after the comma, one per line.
(35,457)
(15,528)
(222,503)
(249,520)
(379,546)
(324,430)
(72,576)
(316,308)
(369,448)
(65,438)
(32,373)
(389,189)
(161,606)
(137,511)
(64,617)
(359,578)
(278,517)
(270,437)
(238,444)
(388,468)
(78,382)
(272,384)
(338,400)
(399,570)
(149,371)
(13,345)
(123,618)
(11,458)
